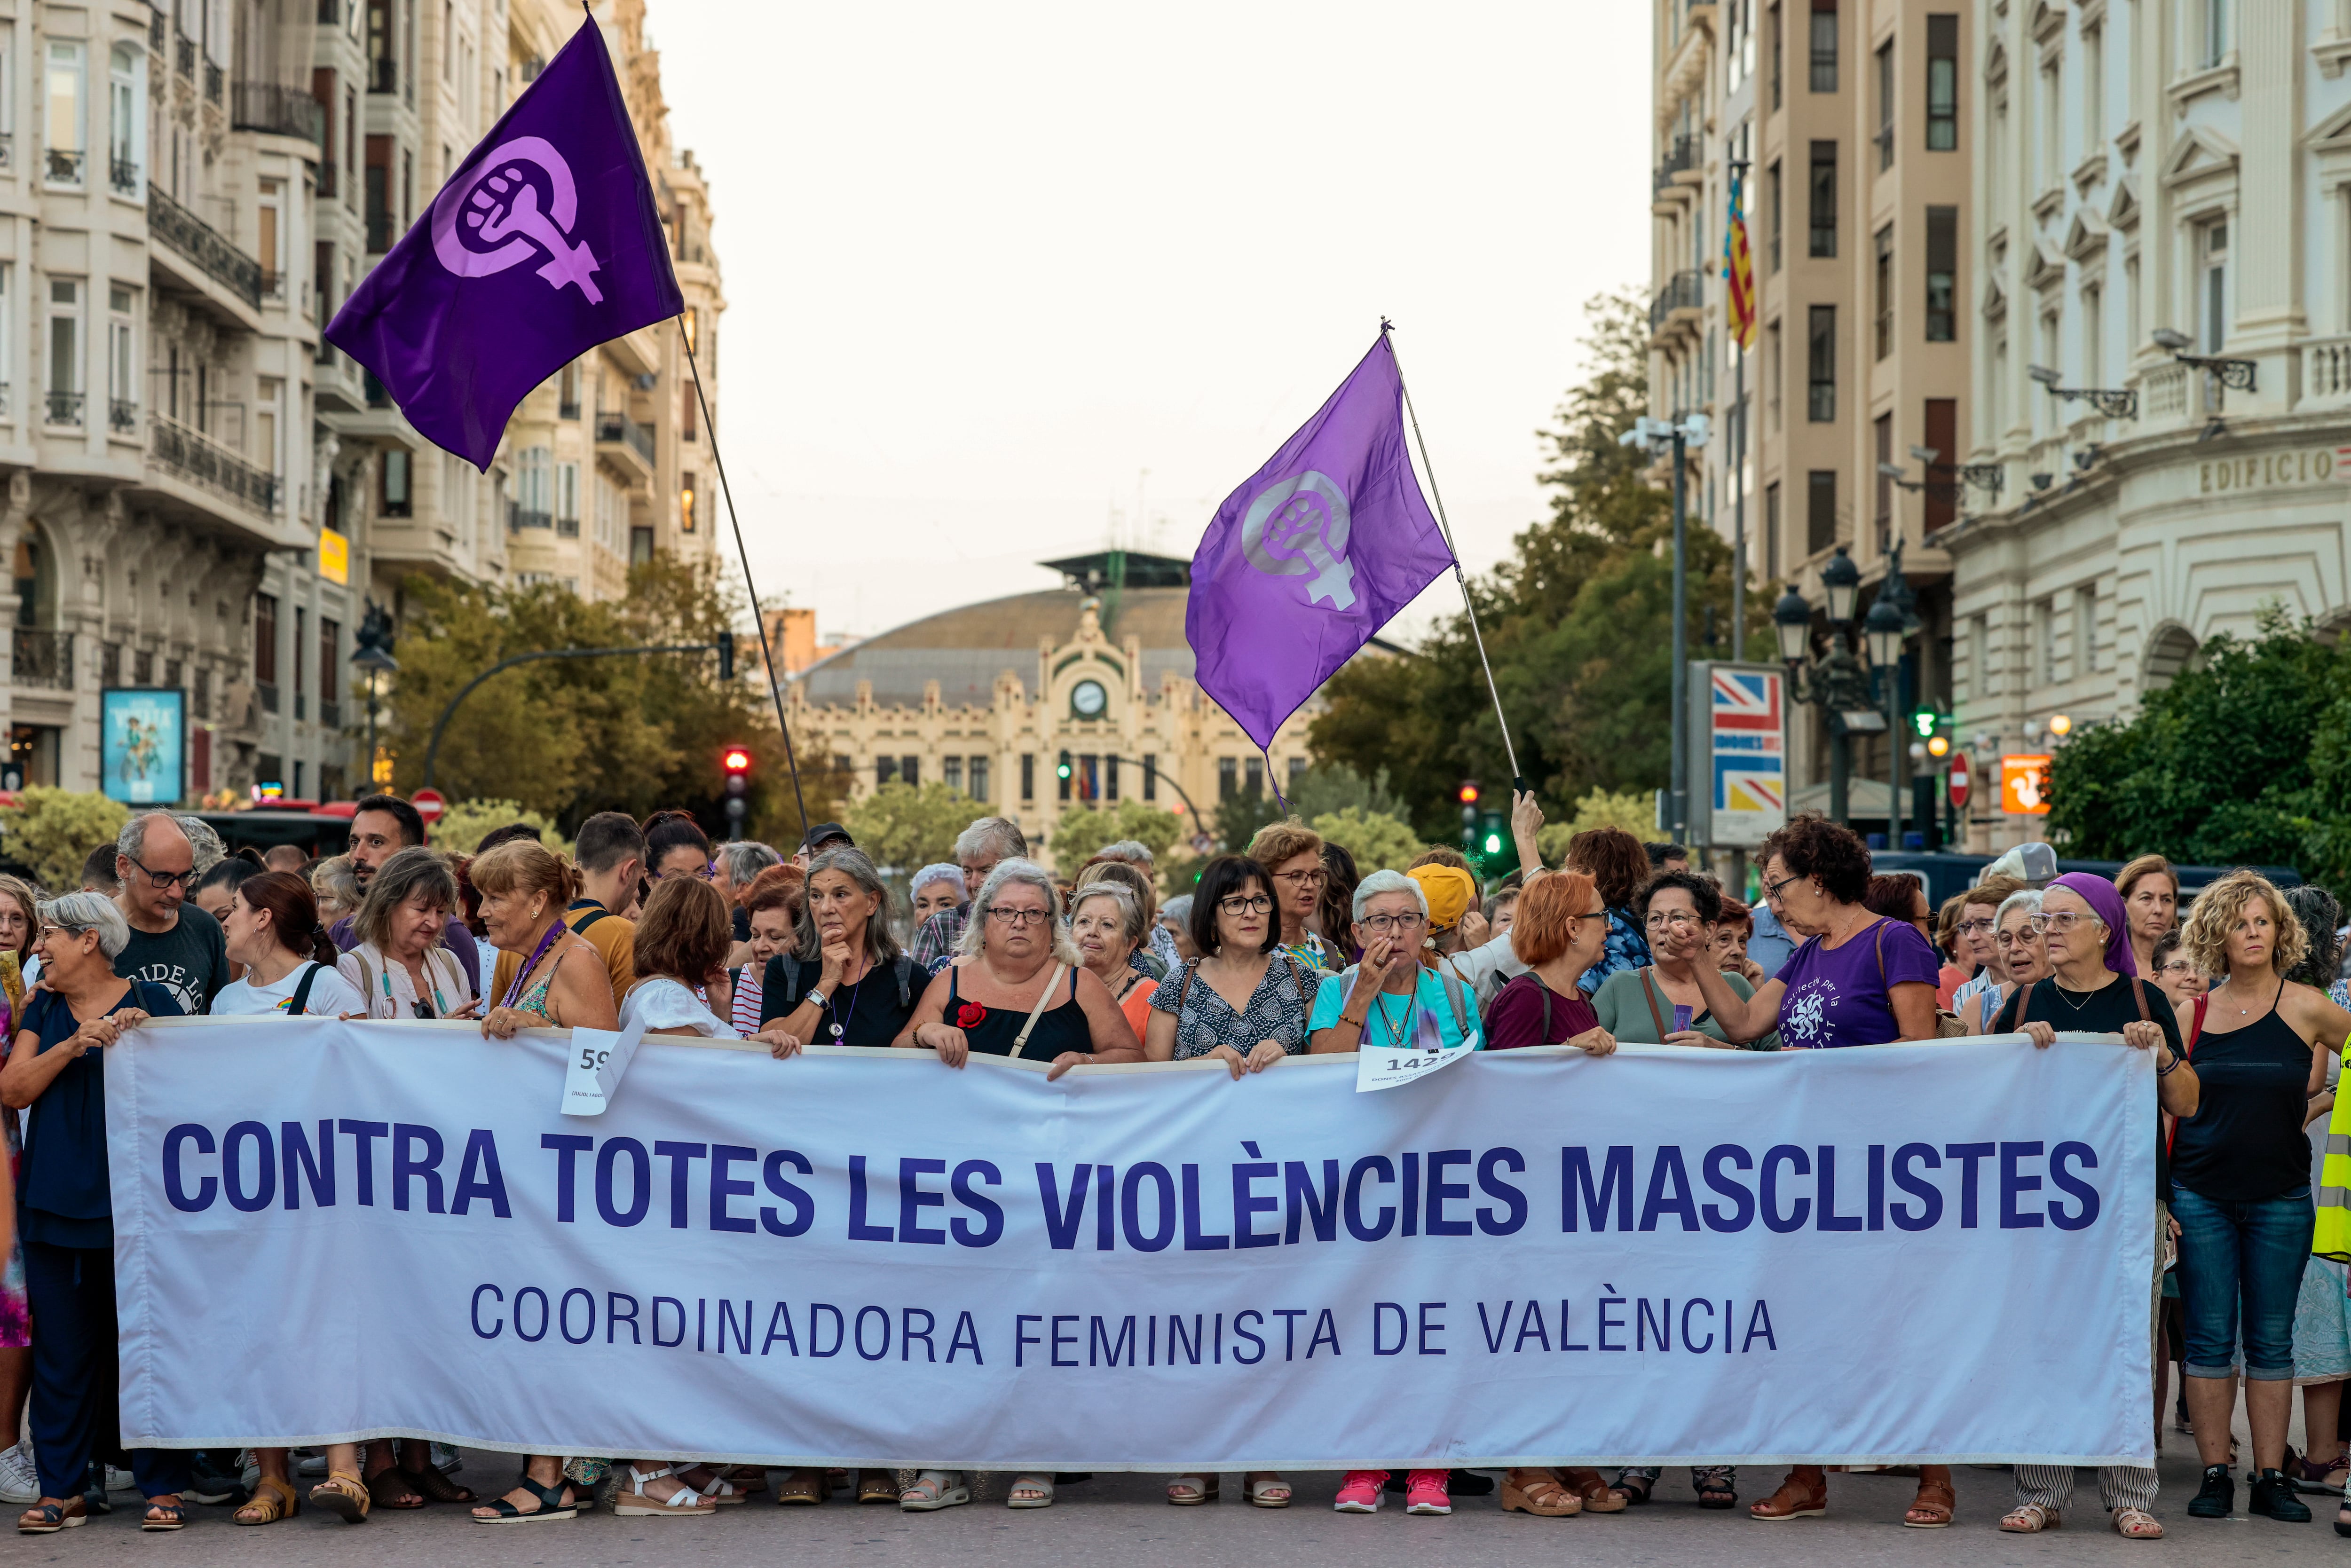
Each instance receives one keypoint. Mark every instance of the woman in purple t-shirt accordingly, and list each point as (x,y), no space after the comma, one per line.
(1859,979)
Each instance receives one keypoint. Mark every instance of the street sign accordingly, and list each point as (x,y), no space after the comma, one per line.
(429,804)
(1738,794)
(2021,784)
(1958,780)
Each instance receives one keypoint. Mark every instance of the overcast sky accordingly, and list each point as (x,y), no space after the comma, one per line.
(986,265)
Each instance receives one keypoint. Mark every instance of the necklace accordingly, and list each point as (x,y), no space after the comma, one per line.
(841,1020)
(2067,996)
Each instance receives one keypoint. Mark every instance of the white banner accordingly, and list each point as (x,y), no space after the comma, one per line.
(327,1231)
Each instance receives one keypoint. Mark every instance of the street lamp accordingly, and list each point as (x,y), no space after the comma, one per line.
(2113,403)
(371,652)
(1887,628)
(1836,682)
(2235,374)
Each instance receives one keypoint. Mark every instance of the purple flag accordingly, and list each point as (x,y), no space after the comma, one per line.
(545,242)
(1312,557)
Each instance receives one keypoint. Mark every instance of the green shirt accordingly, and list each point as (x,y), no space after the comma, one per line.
(1624,1009)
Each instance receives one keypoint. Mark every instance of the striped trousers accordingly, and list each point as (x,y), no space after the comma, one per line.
(2119,1486)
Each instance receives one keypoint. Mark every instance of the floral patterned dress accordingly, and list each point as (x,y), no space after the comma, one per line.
(15,1316)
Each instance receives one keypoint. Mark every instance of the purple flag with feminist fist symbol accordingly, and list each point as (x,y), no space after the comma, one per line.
(1312,557)
(545,242)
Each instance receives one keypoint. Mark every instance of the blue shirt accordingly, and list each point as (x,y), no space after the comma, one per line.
(66,1200)
(1626,949)
(1770,948)
(1394,1019)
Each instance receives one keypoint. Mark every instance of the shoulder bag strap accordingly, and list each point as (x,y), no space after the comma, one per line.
(1044,998)
(591,918)
(2020,1002)
(1183,986)
(1452,984)
(302,992)
(1651,997)
(1879,942)
(2138,995)
(1545,1037)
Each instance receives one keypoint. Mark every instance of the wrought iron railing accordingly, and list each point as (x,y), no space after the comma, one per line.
(1684,291)
(187,58)
(1681,155)
(214,81)
(281,110)
(268,692)
(620,427)
(383,74)
(124,174)
(121,415)
(61,167)
(65,407)
(519,517)
(567,528)
(192,455)
(330,714)
(42,658)
(205,245)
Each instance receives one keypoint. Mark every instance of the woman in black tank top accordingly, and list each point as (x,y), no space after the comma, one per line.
(996,1032)
(2240,1179)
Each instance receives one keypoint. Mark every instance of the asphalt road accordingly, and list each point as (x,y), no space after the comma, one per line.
(1115,1520)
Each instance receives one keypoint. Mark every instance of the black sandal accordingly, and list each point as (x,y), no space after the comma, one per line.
(2342,1518)
(552,1504)
(1637,1486)
(1715,1485)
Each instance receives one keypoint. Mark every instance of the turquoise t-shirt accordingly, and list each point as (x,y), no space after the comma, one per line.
(1395,1020)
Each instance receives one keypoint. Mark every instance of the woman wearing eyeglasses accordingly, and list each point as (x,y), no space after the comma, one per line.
(2020,957)
(399,965)
(1660,1003)
(2093,988)
(1290,855)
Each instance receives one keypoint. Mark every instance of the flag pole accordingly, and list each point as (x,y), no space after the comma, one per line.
(766,653)
(1477,636)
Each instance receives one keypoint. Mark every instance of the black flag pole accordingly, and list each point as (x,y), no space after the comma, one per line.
(766,653)
(1517,780)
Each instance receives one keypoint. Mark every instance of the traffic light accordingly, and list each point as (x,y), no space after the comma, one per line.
(727,665)
(1923,720)
(1939,746)
(1062,769)
(1468,793)
(735,761)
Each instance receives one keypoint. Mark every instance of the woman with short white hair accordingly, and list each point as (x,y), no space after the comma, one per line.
(937,886)
(1106,923)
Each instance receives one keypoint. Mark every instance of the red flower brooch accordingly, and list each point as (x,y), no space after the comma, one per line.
(970,1014)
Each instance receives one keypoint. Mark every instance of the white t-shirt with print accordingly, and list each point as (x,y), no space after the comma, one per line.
(330,995)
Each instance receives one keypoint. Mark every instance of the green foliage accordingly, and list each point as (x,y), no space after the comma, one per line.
(1238,818)
(463,822)
(909,827)
(1378,842)
(1635,813)
(567,737)
(53,831)
(1082,830)
(1577,624)
(2241,761)
(1335,787)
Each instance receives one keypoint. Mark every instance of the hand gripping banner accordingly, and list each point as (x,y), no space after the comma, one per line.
(1940,1252)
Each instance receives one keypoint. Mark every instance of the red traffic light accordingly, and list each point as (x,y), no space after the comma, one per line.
(735,760)
(1468,793)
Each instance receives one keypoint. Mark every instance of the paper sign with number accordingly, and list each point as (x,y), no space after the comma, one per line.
(599,1058)
(1386,1067)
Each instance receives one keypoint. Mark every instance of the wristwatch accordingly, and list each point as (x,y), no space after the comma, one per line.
(818,998)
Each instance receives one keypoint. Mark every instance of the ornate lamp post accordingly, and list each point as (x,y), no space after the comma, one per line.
(1889,625)
(371,652)
(1836,682)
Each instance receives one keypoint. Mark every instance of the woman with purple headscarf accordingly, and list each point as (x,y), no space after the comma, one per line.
(2094,988)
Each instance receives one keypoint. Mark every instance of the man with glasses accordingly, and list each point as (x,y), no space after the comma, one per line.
(976,850)
(173,943)
(383,826)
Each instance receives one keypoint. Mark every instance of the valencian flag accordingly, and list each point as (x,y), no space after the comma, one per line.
(1738,268)
(1312,556)
(545,242)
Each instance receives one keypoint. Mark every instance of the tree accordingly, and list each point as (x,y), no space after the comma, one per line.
(568,738)
(1082,830)
(462,824)
(52,832)
(1577,623)
(2241,761)
(910,827)
(1377,841)
(1335,787)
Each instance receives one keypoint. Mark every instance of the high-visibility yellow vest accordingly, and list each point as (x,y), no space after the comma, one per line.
(2332,1239)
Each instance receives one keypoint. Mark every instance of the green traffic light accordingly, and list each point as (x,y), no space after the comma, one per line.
(1493,843)
(1924,720)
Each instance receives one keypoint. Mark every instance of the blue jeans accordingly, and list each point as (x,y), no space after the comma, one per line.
(2248,1255)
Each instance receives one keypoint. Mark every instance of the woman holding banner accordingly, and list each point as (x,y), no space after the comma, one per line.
(2240,1179)
(558,981)
(1881,973)
(2094,988)
(67,1215)
(845,982)
(1660,1003)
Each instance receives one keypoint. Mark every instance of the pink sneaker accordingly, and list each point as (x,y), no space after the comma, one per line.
(1424,1492)
(1360,1493)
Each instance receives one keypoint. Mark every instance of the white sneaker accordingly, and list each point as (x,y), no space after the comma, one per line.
(312,1464)
(446,1459)
(19,1482)
(120,1480)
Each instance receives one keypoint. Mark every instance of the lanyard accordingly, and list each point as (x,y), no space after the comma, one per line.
(513,991)
(841,1020)
(1396,1032)
(440,1003)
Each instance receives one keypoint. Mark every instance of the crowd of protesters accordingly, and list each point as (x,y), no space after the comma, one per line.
(1284,949)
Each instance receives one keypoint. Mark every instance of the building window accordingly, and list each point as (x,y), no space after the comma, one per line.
(302,630)
(1228,777)
(65,127)
(1942,273)
(1253,778)
(1820,510)
(885,772)
(1824,217)
(1151,775)
(2212,291)
(379,194)
(1775,368)
(951,772)
(641,547)
(265,639)
(121,363)
(395,500)
(1942,431)
(1885,285)
(1882,431)
(2215,33)
(1824,46)
(685,505)
(384,74)
(910,772)
(1028,776)
(2050,129)
(330,659)
(2130,305)
(1110,779)
(977,785)
(65,352)
(2094,90)
(567,499)
(1771,532)
(2093,328)
(1772,41)
(1886,105)
(1943,82)
(127,119)
(1820,368)
(1775,199)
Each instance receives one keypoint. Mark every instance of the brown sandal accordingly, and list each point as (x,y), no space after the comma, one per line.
(1540,1494)
(390,1488)
(803,1487)
(1931,1509)
(344,1495)
(272,1500)
(436,1487)
(1800,1496)
(877,1486)
(1595,1494)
